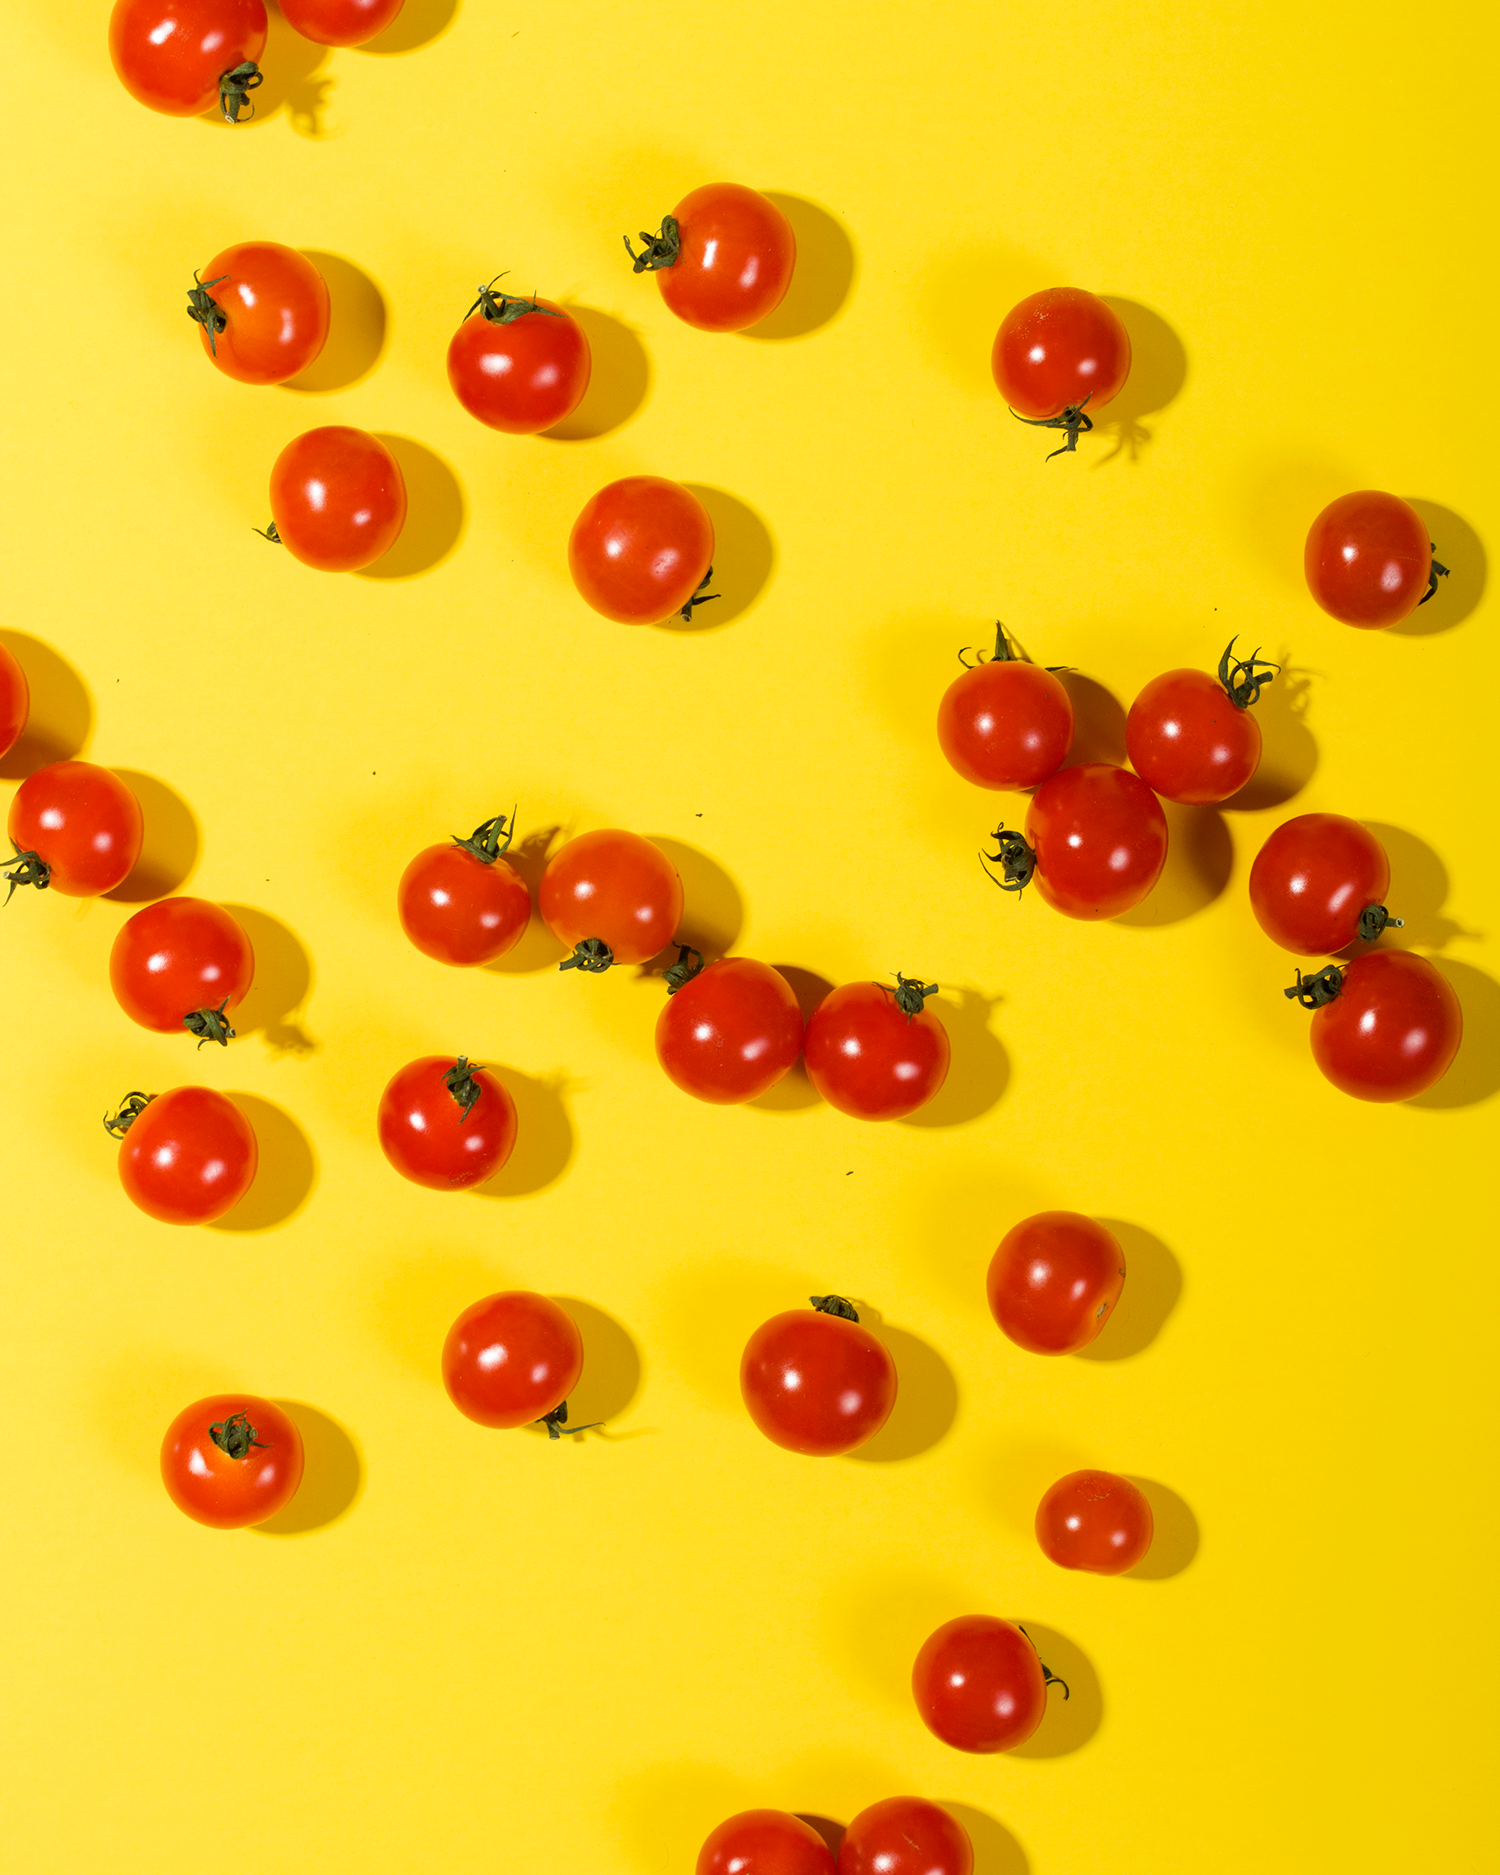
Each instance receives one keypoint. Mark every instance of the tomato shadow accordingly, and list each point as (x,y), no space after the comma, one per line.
(284,1176)
(980,1067)
(1174,1539)
(356,327)
(619,379)
(611,1376)
(61,717)
(1288,754)
(536,949)
(996,1851)
(1475,1074)
(434,512)
(544,1136)
(1461,550)
(291,82)
(823,277)
(832,1833)
(1070,1723)
(744,558)
(1200,859)
(418,24)
(333,1474)
(282,983)
(169,848)
(1158,371)
(713,911)
(1153,1288)
(926,1398)
(1098,722)
(794,1092)
(1419,891)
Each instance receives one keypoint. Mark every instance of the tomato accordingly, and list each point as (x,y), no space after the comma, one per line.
(340,22)
(262,311)
(1317,883)
(905,1836)
(1386,1027)
(337,499)
(74,827)
(186,1156)
(815,1382)
(1192,738)
(1096,841)
(765,1842)
(723,259)
(182,963)
(512,1360)
(1093,1520)
(185,56)
(446,1123)
(877,1053)
(231,1460)
(464,903)
(1054,1280)
(642,550)
(728,1031)
(1056,352)
(519,365)
(15,701)
(1005,723)
(613,896)
(979,1685)
(1368,560)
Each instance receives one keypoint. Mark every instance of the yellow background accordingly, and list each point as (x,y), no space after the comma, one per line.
(472,1650)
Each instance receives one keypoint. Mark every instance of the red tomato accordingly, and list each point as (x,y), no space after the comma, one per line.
(185,56)
(641,550)
(905,1836)
(613,896)
(1097,842)
(262,311)
(1093,1520)
(519,365)
(877,1053)
(765,1842)
(231,1460)
(727,1032)
(76,828)
(464,903)
(512,1360)
(815,1382)
(340,22)
(1054,1280)
(1386,1027)
(1317,883)
(15,701)
(182,963)
(1368,560)
(446,1123)
(1192,738)
(1057,352)
(1005,723)
(337,499)
(723,259)
(186,1156)
(979,1685)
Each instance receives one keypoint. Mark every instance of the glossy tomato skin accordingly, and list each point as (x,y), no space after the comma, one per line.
(276,311)
(461,910)
(522,376)
(512,1359)
(817,1383)
(1006,724)
(340,22)
(209,1484)
(1393,1030)
(1188,741)
(337,498)
(765,1842)
(869,1059)
(1054,1281)
(1311,880)
(15,701)
(614,886)
(640,549)
(735,261)
(1096,1521)
(84,823)
(170,54)
(905,1836)
(731,1032)
(1057,348)
(178,956)
(1368,560)
(979,1685)
(1100,840)
(189,1158)
(427,1136)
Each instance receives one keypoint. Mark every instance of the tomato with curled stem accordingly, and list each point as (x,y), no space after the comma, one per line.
(1057,352)
(1005,723)
(519,365)
(1096,841)
(1385,1027)
(1368,560)
(338,500)
(340,22)
(765,1842)
(1192,738)
(446,1123)
(465,903)
(1317,885)
(905,1836)
(815,1381)
(1096,1521)
(1054,1280)
(15,700)
(262,311)
(876,1053)
(611,896)
(187,1156)
(979,1685)
(182,963)
(723,258)
(231,1460)
(512,1360)
(183,57)
(642,550)
(75,828)
(729,1030)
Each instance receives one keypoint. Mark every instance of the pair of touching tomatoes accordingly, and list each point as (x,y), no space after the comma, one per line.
(1059,357)
(187,1156)
(1368,560)
(899,1836)
(74,828)
(817,1382)
(980,1685)
(232,1460)
(512,1360)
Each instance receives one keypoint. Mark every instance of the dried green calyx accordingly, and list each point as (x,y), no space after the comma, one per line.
(556,1423)
(461,1084)
(1244,678)
(126,1114)
(835,1305)
(1049,1678)
(1435,572)
(207,311)
(1016,860)
(1320,988)
(490,839)
(1072,420)
(504,309)
(659,250)
(268,533)
(700,597)
(912,994)
(236,1436)
(25,868)
(210,1025)
(235,88)
(1373,920)
(689,963)
(593,956)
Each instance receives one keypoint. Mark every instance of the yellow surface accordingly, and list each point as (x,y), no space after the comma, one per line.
(489,1652)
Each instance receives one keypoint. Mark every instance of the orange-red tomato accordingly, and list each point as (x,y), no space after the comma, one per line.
(1385,1027)
(723,259)
(340,22)
(231,1460)
(1318,884)
(182,963)
(876,1053)
(465,903)
(765,1842)
(519,365)
(186,1156)
(1096,1521)
(1191,737)
(905,1836)
(76,828)
(184,56)
(730,1031)
(613,897)
(261,311)
(1368,560)
(1057,352)
(15,700)
(1054,1280)
(512,1360)
(816,1382)
(979,1685)
(1097,842)
(337,499)
(641,550)
(1005,723)
(445,1123)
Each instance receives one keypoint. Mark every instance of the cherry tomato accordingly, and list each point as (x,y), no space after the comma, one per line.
(1096,841)
(446,1123)
(613,896)
(1386,1027)
(519,365)
(1317,883)
(765,1842)
(261,310)
(642,550)
(337,499)
(728,1031)
(1093,1520)
(1057,352)
(815,1382)
(185,56)
(1191,737)
(1054,1280)
(1005,723)
(723,259)
(182,963)
(905,1836)
(877,1053)
(512,1360)
(15,701)
(76,828)
(464,903)
(340,22)
(231,1460)
(186,1156)
(979,1685)
(1368,560)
